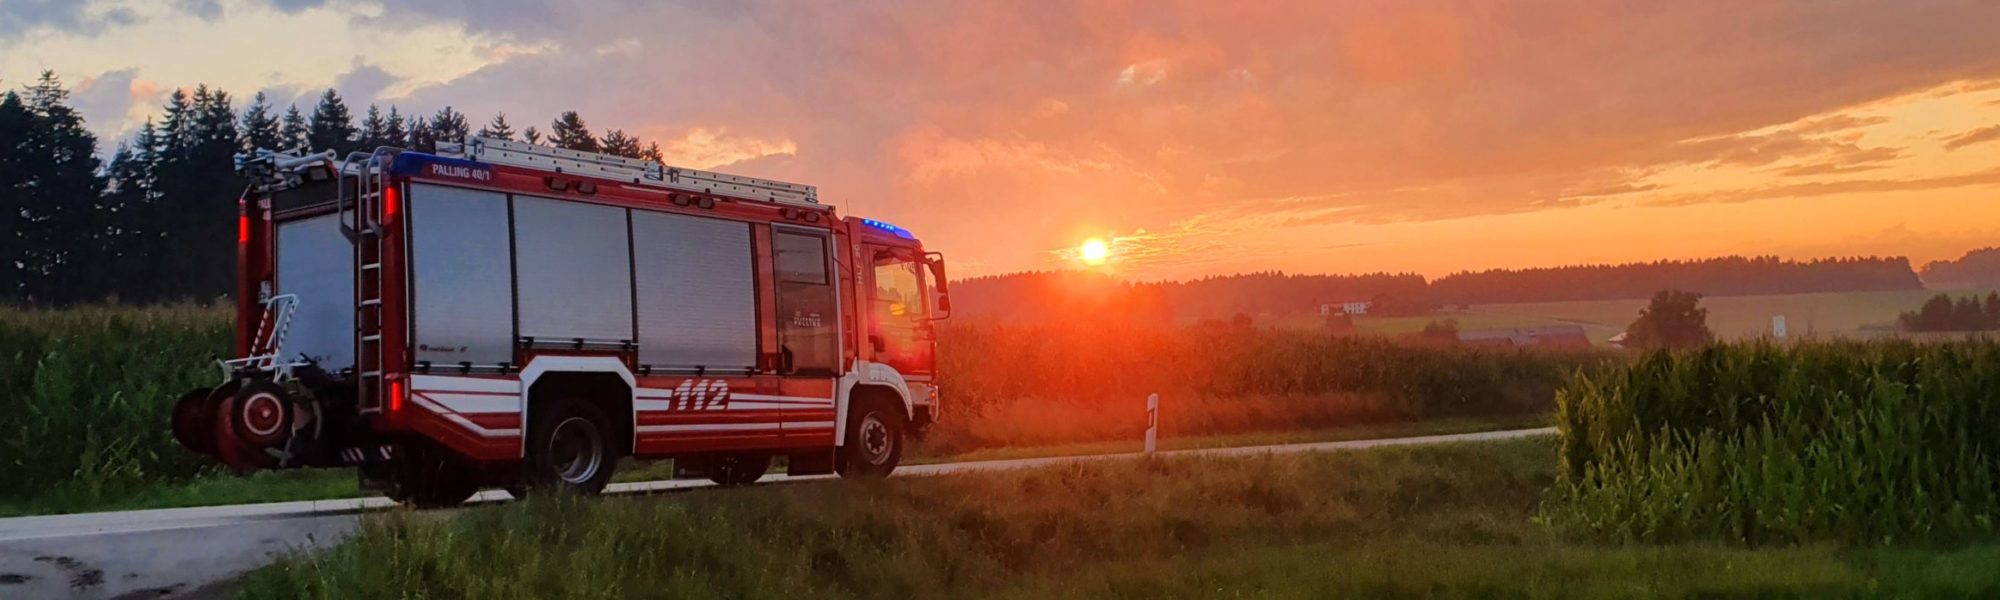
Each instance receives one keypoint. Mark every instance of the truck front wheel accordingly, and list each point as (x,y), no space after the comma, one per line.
(874,439)
(570,449)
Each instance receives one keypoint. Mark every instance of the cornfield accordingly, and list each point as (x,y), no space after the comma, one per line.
(85,393)
(1010,385)
(1867,443)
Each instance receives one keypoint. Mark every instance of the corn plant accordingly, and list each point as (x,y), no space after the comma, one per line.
(1883,442)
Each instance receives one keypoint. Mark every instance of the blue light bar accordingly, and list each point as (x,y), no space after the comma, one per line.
(900,232)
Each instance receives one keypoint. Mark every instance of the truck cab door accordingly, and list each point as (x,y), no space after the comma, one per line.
(900,332)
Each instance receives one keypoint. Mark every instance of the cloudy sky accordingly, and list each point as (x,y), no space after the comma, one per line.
(1199,137)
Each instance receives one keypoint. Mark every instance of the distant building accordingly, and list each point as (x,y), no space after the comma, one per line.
(1358,307)
(1550,336)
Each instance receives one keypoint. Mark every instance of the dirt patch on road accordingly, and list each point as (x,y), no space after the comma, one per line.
(81,576)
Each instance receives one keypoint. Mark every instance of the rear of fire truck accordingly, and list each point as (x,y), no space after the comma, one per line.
(329,315)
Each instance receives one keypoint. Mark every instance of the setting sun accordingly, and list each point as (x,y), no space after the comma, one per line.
(1094,252)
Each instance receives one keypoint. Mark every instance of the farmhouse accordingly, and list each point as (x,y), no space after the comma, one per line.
(1355,307)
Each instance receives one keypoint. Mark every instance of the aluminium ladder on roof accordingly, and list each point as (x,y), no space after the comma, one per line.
(637,171)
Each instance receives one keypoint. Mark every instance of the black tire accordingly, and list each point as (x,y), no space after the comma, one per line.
(875,437)
(571,449)
(738,468)
(430,477)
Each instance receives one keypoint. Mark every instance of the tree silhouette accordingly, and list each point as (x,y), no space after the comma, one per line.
(498,128)
(374,130)
(616,143)
(448,126)
(332,126)
(1674,319)
(569,131)
(396,131)
(49,189)
(293,130)
(260,127)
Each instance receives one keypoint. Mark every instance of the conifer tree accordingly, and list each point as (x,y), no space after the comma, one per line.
(498,128)
(332,125)
(569,131)
(374,129)
(615,142)
(260,127)
(292,133)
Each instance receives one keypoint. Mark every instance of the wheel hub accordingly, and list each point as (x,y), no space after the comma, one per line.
(263,415)
(576,450)
(875,439)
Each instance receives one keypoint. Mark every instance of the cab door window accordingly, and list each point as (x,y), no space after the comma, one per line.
(808,342)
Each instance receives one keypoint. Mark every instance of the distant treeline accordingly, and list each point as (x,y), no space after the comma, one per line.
(1942,313)
(1042,295)
(1039,296)
(1978,269)
(1725,276)
(155,222)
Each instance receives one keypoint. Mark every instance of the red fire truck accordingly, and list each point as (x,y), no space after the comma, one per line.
(514,315)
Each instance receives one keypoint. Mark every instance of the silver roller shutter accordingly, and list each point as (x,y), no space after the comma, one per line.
(574,267)
(697,294)
(464,305)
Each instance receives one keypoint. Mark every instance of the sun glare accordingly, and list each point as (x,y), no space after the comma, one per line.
(1094,252)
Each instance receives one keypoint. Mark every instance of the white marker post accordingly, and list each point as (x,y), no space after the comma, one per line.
(1152,422)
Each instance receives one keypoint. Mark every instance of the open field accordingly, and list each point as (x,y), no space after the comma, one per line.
(1837,314)
(1419,522)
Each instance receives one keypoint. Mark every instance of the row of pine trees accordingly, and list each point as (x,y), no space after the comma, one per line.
(156,221)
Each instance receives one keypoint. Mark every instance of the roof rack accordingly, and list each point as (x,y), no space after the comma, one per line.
(641,172)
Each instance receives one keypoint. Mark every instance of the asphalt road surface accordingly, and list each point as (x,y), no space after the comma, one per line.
(197,552)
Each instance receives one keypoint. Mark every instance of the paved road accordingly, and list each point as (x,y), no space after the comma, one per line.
(184,551)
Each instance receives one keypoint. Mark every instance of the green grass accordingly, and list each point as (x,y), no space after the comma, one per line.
(1447,521)
(1265,438)
(1534,569)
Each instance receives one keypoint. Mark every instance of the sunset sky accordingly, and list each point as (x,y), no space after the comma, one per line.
(1197,137)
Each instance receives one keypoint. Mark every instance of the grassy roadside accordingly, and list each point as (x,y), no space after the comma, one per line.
(1358,432)
(325,484)
(1452,521)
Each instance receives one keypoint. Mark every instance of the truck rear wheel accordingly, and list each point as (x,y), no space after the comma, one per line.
(874,439)
(570,449)
(738,468)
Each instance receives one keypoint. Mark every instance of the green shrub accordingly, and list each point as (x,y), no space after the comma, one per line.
(1855,442)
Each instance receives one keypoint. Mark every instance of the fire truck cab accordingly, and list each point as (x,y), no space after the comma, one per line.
(502,314)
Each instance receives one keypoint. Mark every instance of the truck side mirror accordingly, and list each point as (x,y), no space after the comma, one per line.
(935,261)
